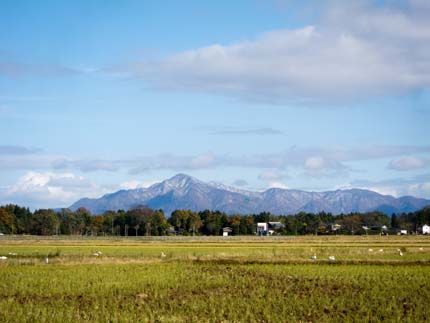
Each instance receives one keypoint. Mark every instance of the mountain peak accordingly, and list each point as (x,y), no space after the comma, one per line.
(181,176)
(181,180)
(178,182)
(186,192)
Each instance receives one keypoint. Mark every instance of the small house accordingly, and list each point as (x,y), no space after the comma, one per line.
(426,229)
(335,227)
(262,228)
(226,231)
(403,232)
(268,228)
(274,226)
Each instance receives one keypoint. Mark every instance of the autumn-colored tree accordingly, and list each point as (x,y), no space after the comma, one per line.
(234,223)
(97,224)
(6,221)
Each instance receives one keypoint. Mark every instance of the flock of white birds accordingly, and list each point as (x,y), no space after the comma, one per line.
(163,255)
(370,250)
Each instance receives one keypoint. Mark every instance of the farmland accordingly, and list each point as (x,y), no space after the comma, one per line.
(213,279)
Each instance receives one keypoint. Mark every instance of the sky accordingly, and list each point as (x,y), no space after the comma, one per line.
(97,96)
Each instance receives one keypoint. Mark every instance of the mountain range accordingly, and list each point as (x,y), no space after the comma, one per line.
(186,192)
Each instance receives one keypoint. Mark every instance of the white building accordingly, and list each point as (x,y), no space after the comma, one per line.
(268,228)
(262,228)
(226,231)
(273,226)
(426,229)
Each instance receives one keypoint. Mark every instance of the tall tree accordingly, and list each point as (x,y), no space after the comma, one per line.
(45,222)
(394,221)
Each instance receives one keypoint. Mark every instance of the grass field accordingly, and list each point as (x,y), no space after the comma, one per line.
(237,279)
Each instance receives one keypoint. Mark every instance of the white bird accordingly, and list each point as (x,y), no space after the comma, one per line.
(401,253)
(381,250)
(99,252)
(331,258)
(163,255)
(47,260)
(3,257)
(421,249)
(370,250)
(96,254)
(314,257)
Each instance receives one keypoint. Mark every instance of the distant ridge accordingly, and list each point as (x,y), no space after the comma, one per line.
(186,192)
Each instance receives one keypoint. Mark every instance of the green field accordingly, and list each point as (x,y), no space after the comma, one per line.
(249,279)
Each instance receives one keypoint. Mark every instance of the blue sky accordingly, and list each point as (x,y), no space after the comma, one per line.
(101,95)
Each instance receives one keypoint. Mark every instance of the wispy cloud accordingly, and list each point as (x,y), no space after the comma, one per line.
(16,69)
(313,161)
(272,174)
(175,162)
(87,165)
(258,131)
(407,163)
(418,186)
(17,150)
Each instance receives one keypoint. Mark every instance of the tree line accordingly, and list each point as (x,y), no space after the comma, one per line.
(144,221)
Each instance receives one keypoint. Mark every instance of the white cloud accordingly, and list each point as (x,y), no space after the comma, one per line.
(277,185)
(203,161)
(315,163)
(382,50)
(418,186)
(419,189)
(408,163)
(387,190)
(323,166)
(49,189)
